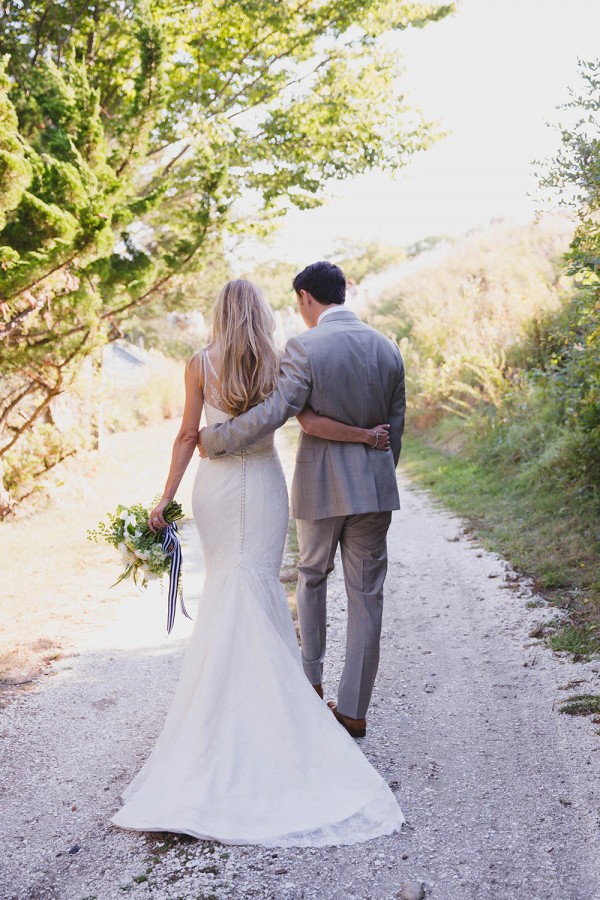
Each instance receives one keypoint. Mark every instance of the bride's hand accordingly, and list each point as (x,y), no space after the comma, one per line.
(156,519)
(379,437)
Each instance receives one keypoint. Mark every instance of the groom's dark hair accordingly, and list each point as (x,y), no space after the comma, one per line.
(324,281)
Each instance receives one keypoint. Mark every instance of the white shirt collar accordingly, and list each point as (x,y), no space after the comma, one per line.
(330,309)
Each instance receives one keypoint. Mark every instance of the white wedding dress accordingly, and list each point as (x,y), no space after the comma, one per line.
(249,753)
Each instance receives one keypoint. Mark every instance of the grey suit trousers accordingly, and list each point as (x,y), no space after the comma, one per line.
(362,541)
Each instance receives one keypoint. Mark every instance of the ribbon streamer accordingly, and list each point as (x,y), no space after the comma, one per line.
(171,547)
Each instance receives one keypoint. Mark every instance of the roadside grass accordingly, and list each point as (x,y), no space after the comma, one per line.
(204,858)
(581,705)
(574,639)
(548,531)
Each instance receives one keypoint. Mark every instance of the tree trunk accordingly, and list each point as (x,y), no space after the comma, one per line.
(96,394)
(5,503)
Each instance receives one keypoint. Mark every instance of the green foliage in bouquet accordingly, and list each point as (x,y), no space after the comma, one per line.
(141,549)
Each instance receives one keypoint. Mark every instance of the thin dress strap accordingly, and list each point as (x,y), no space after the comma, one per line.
(211,392)
(213,370)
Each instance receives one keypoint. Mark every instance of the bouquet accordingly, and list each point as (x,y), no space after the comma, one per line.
(147,555)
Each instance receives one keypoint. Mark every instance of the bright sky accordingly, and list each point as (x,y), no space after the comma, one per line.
(494,74)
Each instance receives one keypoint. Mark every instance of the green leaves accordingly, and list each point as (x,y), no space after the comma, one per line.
(574,176)
(15,171)
(128,131)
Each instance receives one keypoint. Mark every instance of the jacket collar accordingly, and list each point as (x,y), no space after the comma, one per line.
(337,315)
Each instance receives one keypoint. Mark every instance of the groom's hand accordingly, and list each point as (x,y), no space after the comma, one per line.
(201,449)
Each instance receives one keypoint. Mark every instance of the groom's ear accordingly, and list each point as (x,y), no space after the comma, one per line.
(305,299)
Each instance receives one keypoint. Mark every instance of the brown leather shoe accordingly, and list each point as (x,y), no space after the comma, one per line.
(319,689)
(356,728)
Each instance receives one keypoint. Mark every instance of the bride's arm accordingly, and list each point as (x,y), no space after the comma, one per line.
(332,430)
(184,445)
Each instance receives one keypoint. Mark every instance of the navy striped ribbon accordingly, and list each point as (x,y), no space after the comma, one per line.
(172,547)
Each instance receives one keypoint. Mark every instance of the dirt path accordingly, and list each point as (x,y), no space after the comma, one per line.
(501,792)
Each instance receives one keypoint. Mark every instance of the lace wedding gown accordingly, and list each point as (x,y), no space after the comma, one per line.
(249,753)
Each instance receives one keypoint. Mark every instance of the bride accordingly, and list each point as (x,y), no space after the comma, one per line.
(249,753)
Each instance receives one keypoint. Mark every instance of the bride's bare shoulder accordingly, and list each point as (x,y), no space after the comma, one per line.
(195,366)
(213,358)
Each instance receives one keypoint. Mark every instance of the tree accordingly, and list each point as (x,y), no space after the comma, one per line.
(574,175)
(132,127)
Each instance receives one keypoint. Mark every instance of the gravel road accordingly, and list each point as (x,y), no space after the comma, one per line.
(501,791)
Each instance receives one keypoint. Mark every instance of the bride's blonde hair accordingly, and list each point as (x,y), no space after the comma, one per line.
(243,327)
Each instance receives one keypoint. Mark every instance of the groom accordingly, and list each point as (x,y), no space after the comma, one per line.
(342,493)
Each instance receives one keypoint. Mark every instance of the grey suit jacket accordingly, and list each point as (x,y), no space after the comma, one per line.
(348,371)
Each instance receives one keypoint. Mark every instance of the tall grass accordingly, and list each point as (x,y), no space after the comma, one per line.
(458,323)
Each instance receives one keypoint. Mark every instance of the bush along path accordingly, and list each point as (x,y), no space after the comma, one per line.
(501,790)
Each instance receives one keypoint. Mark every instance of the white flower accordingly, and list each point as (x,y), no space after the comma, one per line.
(148,575)
(128,519)
(126,553)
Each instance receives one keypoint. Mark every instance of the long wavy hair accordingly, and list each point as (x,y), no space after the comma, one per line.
(242,328)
